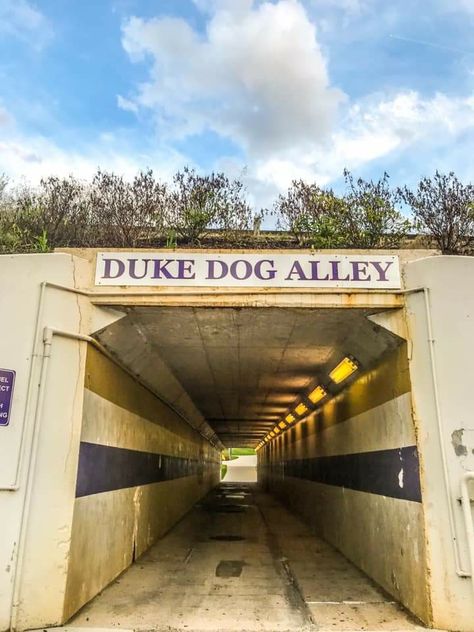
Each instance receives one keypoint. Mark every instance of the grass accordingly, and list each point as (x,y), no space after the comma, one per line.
(236,452)
(243,451)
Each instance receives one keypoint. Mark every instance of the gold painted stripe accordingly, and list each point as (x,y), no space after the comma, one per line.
(111,382)
(387,381)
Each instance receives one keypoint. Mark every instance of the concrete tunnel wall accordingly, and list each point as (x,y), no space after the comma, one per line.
(352,471)
(141,468)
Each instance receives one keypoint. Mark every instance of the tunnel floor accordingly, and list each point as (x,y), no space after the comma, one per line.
(239,560)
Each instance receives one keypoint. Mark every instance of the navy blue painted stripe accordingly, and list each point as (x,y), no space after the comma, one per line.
(393,473)
(104,468)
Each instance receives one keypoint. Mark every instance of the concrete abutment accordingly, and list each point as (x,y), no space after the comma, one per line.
(124,398)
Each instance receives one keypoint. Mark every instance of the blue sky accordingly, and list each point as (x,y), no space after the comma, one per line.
(266,91)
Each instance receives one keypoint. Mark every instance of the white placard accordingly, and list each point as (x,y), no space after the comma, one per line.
(370,271)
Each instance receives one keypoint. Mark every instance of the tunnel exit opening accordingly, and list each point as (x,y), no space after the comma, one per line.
(239,465)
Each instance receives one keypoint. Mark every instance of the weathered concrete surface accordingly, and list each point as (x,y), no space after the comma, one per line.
(380,532)
(243,469)
(290,580)
(441,326)
(39,448)
(111,528)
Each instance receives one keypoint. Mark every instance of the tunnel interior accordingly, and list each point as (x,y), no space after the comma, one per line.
(182,383)
(243,369)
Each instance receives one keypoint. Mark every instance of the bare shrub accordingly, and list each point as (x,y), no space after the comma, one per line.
(199,203)
(127,214)
(443,208)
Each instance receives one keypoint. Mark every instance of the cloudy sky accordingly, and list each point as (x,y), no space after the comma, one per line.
(267,90)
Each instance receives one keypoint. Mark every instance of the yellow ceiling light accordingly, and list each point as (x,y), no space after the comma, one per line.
(317,394)
(290,418)
(301,409)
(272,434)
(282,425)
(343,370)
(276,429)
(266,439)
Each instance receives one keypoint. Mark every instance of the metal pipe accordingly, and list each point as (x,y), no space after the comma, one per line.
(51,331)
(468,520)
(26,505)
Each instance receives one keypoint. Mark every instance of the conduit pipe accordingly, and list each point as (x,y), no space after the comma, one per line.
(26,505)
(49,332)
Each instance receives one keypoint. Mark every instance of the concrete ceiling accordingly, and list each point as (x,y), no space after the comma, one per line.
(241,368)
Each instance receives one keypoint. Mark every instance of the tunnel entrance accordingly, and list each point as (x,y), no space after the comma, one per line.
(353,386)
(345,464)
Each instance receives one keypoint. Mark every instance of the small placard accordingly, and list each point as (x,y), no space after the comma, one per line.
(7,383)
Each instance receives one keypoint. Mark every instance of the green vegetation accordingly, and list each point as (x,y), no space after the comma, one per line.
(211,211)
(229,454)
(223,471)
(243,451)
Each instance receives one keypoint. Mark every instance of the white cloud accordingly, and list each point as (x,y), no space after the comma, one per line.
(32,157)
(372,129)
(21,19)
(257,76)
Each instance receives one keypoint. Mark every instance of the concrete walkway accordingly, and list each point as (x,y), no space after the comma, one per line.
(239,561)
(243,469)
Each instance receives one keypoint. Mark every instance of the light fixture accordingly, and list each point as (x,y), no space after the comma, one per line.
(282,425)
(344,369)
(272,434)
(290,418)
(301,409)
(317,394)
(266,439)
(276,429)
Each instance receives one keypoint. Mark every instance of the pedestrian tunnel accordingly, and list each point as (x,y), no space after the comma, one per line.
(358,402)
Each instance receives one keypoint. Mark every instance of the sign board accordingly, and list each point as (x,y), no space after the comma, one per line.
(7,383)
(369,271)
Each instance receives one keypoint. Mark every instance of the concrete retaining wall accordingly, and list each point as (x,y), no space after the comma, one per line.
(141,467)
(441,327)
(352,471)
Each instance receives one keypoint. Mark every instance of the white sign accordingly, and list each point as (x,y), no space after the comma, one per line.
(371,271)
